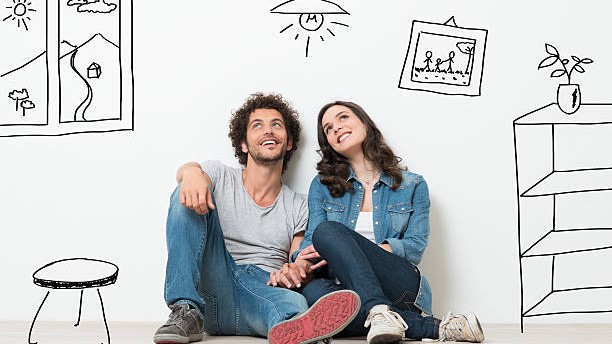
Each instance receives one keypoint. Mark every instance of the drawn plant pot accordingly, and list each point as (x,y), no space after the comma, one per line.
(568,98)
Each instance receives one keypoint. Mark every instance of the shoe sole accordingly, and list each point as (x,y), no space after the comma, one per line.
(386,338)
(327,317)
(475,327)
(175,338)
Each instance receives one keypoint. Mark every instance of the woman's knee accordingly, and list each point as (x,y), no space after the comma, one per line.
(328,232)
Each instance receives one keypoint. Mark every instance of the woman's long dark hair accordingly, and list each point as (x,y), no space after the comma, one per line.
(334,168)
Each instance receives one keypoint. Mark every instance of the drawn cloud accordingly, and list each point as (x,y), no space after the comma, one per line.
(76,2)
(95,6)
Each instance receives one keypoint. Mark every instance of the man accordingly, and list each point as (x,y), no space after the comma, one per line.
(228,228)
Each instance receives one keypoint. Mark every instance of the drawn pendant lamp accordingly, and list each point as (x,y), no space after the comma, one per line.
(310,15)
(568,95)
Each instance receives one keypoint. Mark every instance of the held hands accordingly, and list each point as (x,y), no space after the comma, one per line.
(194,192)
(291,275)
(310,254)
(294,275)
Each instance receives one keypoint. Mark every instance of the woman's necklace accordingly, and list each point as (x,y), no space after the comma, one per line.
(368,181)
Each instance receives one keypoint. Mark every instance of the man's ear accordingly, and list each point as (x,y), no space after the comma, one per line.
(289,145)
(245,149)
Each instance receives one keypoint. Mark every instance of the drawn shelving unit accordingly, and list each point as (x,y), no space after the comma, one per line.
(546,184)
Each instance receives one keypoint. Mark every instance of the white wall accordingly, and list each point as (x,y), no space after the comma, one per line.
(105,195)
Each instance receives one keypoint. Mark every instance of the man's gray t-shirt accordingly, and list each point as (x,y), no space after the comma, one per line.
(253,234)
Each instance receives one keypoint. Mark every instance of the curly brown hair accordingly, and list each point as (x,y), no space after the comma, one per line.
(240,120)
(334,168)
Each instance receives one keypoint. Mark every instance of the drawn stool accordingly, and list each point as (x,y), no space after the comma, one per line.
(75,273)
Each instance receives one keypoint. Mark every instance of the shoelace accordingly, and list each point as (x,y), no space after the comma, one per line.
(177,316)
(383,317)
(454,329)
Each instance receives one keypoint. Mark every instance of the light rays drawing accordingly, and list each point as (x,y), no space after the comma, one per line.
(20,9)
(310,15)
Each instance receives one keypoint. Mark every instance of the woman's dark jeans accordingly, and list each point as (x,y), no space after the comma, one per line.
(379,277)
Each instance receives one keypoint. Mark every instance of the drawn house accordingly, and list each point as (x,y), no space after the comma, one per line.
(94,70)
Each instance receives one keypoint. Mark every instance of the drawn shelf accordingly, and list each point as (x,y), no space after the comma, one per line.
(567,241)
(583,300)
(547,175)
(563,182)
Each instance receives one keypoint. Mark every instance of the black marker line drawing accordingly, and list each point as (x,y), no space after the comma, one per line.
(551,187)
(20,12)
(94,70)
(23,66)
(83,98)
(78,274)
(444,59)
(310,15)
(568,95)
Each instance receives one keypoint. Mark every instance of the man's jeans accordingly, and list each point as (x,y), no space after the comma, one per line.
(379,277)
(234,299)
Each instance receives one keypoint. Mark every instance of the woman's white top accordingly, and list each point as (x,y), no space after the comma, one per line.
(365,225)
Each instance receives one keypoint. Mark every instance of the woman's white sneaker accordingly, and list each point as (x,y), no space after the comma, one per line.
(385,325)
(461,328)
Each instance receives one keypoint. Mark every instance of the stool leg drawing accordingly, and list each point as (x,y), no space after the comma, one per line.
(34,320)
(103,315)
(80,307)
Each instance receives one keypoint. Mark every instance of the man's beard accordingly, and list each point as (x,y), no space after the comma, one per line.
(264,160)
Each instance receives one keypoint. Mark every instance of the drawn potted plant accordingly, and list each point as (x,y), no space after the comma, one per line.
(568,95)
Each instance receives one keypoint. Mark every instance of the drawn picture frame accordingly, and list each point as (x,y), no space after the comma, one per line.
(444,59)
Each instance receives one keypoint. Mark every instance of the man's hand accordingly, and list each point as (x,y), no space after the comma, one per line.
(291,275)
(309,253)
(195,193)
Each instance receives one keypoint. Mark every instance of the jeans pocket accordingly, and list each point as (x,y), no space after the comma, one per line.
(211,319)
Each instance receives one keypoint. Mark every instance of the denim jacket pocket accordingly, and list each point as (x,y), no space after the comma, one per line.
(333,210)
(399,213)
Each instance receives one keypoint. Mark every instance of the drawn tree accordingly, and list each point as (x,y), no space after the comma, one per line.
(467,48)
(18,96)
(26,104)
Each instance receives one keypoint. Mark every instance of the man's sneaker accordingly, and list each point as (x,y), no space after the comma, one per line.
(183,326)
(325,318)
(385,325)
(461,328)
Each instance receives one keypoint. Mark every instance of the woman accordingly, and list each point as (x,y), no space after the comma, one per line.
(369,223)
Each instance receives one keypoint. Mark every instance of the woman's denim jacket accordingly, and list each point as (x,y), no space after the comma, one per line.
(400,218)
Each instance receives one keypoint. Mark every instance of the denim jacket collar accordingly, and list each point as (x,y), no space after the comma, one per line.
(385,178)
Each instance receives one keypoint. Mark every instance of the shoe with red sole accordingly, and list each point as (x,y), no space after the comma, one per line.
(325,318)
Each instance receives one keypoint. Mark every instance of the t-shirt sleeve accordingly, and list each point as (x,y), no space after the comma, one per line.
(214,169)
(302,214)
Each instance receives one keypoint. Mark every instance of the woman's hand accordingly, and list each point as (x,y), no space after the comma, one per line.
(386,247)
(290,275)
(309,253)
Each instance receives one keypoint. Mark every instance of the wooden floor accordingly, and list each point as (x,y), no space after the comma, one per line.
(142,332)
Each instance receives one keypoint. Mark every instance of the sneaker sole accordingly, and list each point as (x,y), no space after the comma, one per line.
(328,316)
(475,327)
(385,338)
(175,338)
